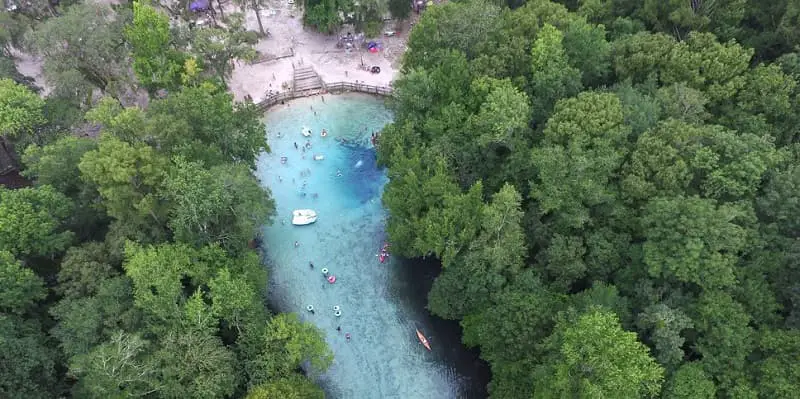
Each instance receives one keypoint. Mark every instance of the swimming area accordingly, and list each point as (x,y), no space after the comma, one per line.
(381,304)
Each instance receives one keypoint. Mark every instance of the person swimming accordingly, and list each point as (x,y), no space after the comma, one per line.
(347,336)
(339,328)
(311,264)
(296,244)
(338,173)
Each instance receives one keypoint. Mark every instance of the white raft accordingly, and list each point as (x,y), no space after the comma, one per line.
(302,217)
(306,132)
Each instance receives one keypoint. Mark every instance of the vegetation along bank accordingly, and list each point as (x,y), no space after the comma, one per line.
(611,188)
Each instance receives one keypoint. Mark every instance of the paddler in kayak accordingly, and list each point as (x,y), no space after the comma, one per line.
(423,340)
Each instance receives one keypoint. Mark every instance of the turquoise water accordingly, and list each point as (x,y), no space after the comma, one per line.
(381,303)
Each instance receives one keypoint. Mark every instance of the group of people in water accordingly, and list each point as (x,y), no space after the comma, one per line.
(384,254)
(331,279)
(303,147)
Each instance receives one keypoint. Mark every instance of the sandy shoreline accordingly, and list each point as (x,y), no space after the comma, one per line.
(287,36)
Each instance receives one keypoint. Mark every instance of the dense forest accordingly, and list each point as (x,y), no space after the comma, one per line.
(127,269)
(611,187)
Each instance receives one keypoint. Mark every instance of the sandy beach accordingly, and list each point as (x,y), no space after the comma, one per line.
(289,44)
(309,48)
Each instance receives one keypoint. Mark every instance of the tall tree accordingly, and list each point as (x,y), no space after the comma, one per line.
(693,241)
(726,340)
(219,47)
(223,205)
(20,113)
(204,124)
(553,78)
(496,254)
(127,177)
(117,368)
(21,287)
(585,142)
(27,359)
(33,221)
(592,356)
(27,362)
(156,64)
(85,49)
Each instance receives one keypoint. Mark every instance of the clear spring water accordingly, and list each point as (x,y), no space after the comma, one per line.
(381,303)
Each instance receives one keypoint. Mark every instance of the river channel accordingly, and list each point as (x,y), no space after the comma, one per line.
(380,304)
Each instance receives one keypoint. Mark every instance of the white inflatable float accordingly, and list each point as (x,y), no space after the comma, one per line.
(301,217)
(306,132)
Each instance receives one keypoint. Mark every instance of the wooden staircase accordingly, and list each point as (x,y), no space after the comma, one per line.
(305,78)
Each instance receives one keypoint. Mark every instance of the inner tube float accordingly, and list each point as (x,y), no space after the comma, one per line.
(331,279)
(325,271)
(310,308)
(324,133)
(337,313)
(336,308)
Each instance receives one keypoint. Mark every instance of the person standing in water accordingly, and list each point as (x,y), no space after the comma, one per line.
(347,336)
(311,264)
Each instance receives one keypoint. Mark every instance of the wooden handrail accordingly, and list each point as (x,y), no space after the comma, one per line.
(336,87)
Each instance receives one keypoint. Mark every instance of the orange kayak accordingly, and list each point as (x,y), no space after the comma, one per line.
(423,340)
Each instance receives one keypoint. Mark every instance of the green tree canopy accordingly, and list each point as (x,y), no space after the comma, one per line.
(20,112)
(32,221)
(84,48)
(592,356)
(21,287)
(156,64)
